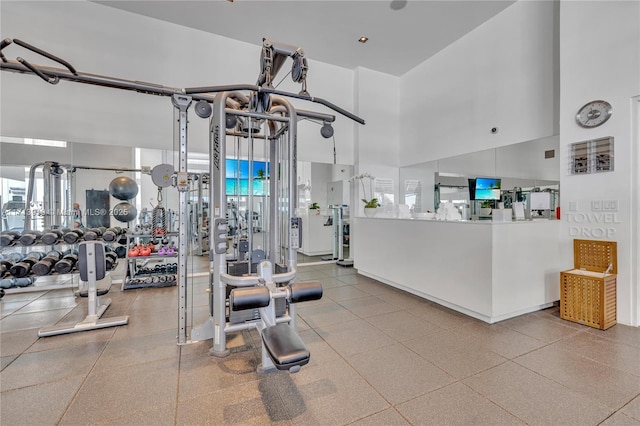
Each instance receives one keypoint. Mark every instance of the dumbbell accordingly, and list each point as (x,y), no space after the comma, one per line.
(50,236)
(111,234)
(93,234)
(67,263)
(8,260)
(121,251)
(29,238)
(8,237)
(44,266)
(73,236)
(6,264)
(110,259)
(22,268)
(122,238)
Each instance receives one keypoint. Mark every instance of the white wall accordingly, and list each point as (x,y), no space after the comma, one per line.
(25,155)
(102,40)
(607,67)
(377,102)
(377,143)
(527,160)
(500,74)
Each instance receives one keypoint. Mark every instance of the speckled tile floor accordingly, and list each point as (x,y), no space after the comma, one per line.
(379,356)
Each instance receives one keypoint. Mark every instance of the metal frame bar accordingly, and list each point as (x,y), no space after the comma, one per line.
(196,93)
(182,103)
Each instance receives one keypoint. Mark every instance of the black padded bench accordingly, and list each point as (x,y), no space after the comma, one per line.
(285,347)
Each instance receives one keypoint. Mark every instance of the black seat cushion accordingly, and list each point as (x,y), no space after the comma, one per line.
(285,347)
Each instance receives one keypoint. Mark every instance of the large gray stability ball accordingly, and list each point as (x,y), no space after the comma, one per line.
(123,188)
(125,212)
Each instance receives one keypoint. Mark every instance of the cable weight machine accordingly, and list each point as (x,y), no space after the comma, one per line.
(260,105)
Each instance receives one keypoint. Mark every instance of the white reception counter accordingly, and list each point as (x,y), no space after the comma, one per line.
(490,271)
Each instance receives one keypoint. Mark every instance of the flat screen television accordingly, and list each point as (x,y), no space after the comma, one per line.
(237,179)
(487,189)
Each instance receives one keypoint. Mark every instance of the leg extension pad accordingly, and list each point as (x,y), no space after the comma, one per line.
(249,298)
(305,291)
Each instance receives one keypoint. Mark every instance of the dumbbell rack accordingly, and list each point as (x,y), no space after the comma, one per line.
(51,281)
(161,276)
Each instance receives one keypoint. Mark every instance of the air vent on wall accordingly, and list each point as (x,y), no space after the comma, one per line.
(550,153)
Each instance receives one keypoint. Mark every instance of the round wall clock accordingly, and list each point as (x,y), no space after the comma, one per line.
(594,114)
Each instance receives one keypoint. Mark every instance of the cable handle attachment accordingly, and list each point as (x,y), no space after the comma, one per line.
(4,43)
(158,210)
(48,55)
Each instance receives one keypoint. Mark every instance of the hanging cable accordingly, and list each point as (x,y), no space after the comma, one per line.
(334,149)
(283,80)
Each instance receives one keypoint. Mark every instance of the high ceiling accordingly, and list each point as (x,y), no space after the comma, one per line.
(401,33)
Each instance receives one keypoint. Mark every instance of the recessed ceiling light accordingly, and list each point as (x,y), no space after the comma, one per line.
(398,4)
(363,39)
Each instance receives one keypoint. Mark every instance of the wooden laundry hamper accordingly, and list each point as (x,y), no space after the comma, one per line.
(588,292)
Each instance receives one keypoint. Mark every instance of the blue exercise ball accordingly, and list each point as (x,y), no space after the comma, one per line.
(125,212)
(123,188)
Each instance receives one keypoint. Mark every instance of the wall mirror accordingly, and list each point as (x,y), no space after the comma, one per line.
(522,167)
(321,184)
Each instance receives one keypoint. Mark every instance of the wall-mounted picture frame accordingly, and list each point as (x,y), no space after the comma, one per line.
(593,156)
